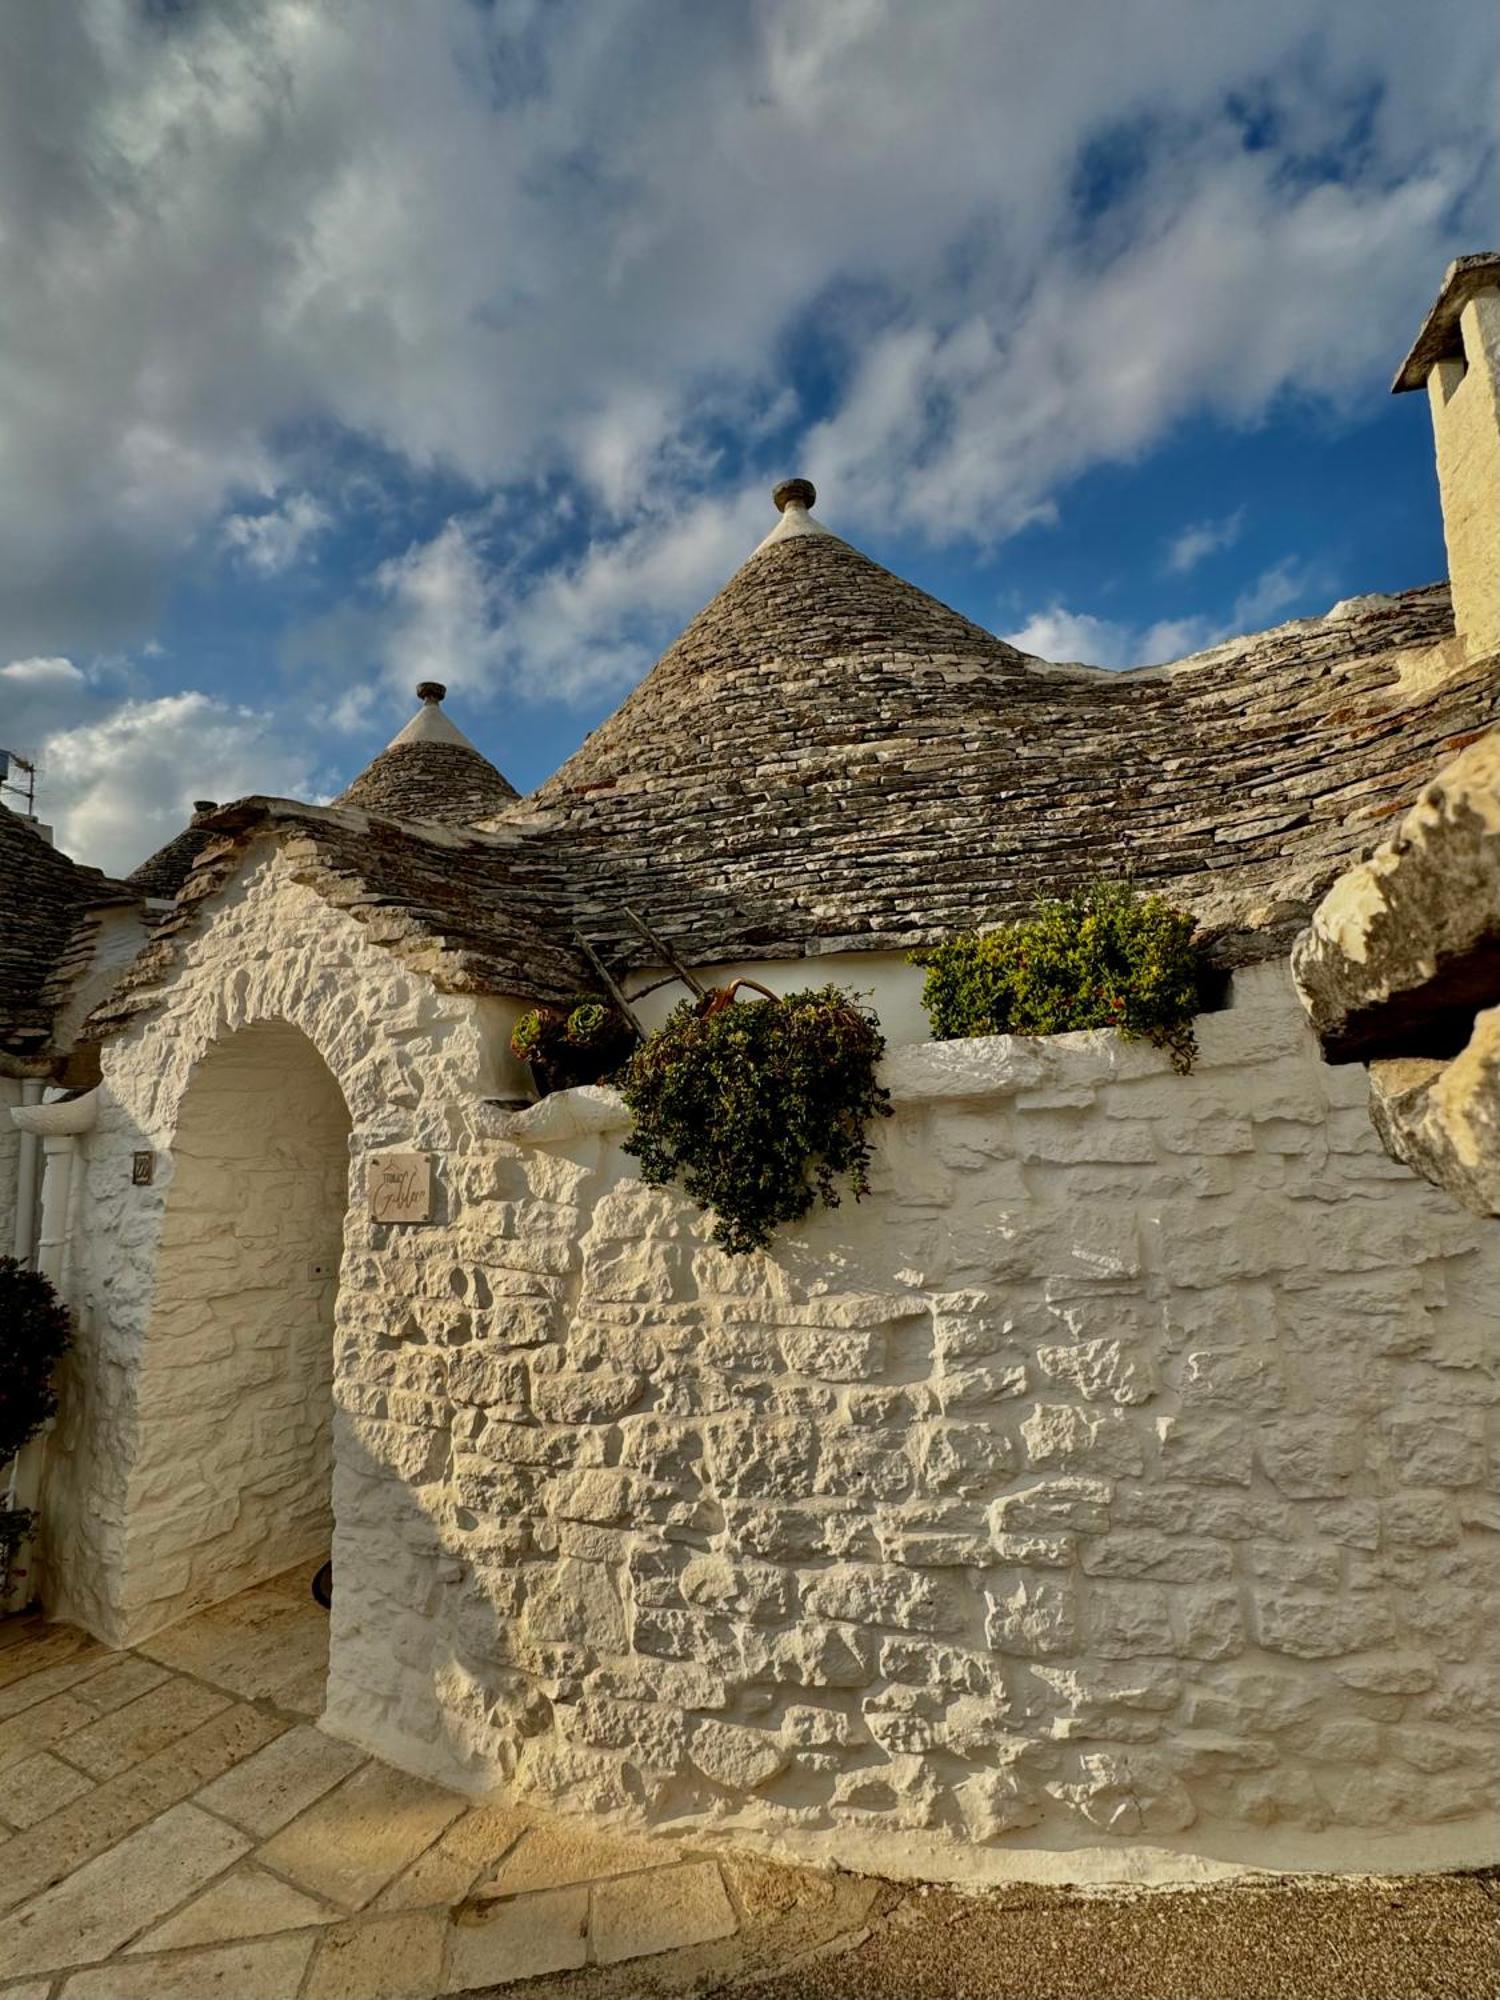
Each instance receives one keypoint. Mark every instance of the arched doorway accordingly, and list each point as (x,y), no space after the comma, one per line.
(233,1472)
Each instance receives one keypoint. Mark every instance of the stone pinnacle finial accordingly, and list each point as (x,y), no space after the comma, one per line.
(800,491)
(430,690)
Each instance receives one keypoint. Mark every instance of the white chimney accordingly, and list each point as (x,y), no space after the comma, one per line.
(1457,355)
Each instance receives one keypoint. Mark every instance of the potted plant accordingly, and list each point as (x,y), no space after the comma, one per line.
(564,1047)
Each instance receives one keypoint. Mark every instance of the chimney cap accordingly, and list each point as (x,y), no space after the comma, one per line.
(430,690)
(794,492)
(1438,339)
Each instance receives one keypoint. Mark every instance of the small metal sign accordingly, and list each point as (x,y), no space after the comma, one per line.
(400,1187)
(142,1169)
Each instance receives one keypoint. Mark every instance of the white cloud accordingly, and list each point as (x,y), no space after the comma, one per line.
(272,541)
(1076,636)
(1066,636)
(465,241)
(1193,544)
(116,787)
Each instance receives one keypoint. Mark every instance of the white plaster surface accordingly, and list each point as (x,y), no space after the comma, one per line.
(1118,1476)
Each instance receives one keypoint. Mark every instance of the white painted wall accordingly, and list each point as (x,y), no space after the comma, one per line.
(1116,1475)
(232,1478)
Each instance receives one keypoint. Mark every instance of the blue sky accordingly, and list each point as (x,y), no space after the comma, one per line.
(468,347)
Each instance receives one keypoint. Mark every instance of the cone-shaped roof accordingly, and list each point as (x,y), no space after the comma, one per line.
(430,770)
(829,758)
(810,645)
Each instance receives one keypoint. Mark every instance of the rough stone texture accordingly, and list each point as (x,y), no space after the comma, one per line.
(1402,954)
(1404,948)
(47,901)
(1443,1119)
(1115,1473)
(448,782)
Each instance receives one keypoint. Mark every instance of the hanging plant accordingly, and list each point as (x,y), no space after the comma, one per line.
(1102,957)
(757,1110)
(568,1046)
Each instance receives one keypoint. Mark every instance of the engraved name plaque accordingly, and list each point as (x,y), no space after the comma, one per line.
(400,1187)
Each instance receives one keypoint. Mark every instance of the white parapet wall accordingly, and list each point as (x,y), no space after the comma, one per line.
(1111,1492)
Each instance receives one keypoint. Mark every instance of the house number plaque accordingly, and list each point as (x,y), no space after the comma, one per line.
(401,1187)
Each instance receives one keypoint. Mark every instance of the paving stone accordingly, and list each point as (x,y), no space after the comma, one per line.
(40,1727)
(33,1861)
(61,1653)
(264,1969)
(686,1905)
(282,1780)
(448,1870)
(137,1731)
(381,1958)
(520,1939)
(354,1840)
(560,1852)
(122,1681)
(109,1899)
(248,1902)
(40,1786)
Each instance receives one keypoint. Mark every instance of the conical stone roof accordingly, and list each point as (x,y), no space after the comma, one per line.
(809,649)
(430,770)
(830,759)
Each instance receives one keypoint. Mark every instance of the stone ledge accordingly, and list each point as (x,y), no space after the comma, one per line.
(978,1066)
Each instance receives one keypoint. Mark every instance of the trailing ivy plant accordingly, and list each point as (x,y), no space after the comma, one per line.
(757,1109)
(1102,957)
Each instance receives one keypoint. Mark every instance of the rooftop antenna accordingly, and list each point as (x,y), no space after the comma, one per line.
(24,788)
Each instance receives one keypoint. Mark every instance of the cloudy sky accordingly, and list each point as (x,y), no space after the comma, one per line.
(348,342)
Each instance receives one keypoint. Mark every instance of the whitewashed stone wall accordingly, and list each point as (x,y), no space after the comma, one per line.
(232,1476)
(411,1068)
(1118,1475)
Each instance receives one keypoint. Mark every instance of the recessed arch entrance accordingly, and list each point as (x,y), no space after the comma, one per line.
(232,1480)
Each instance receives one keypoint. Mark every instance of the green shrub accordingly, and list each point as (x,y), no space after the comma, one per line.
(35,1329)
(757,1109)
(34,1333)
(1102,957)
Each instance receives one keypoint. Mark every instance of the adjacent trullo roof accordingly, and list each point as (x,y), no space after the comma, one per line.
(830,759)
(44,897)
(430,771)
(163,873)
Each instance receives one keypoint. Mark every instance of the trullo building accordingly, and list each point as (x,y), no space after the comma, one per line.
(1121,1471)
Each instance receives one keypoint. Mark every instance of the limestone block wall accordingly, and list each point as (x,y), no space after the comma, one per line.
(1119,1475)
(1120,1472)
(133,1528)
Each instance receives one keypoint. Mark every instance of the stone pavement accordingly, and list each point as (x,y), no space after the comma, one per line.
(173,1827)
